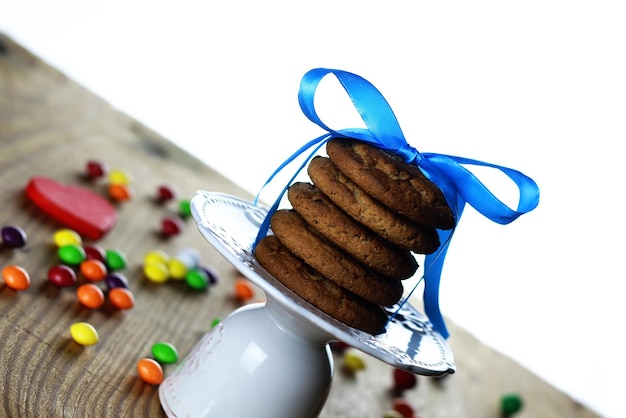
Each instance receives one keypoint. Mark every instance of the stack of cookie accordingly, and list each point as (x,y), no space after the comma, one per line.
(349,239)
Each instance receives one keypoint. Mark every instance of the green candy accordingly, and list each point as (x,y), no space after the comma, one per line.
(116,260)
(184,208)
(164,353)
(197,279)
(510,404)
(72,254)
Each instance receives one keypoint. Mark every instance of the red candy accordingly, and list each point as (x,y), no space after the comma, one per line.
(403,380)
(62,275)
(87,213)
(95,169)
(165,193)
(403,406)
(171,226)
(95,252)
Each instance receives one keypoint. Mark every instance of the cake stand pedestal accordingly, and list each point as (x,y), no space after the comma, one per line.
(260,361)
(273,359)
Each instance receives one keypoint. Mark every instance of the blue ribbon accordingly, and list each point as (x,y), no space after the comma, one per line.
(458,184)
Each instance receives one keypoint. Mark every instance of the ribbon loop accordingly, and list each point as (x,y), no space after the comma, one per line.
(458,184)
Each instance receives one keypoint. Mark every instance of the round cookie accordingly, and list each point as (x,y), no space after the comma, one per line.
(348,196)
(319,291)
(332,262)
(363,244)
(387,178)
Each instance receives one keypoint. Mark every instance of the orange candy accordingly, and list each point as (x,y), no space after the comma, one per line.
(93,270)
(121,298)
(120,192)
(150,371)
(243,289)
(90,295)
(16,277)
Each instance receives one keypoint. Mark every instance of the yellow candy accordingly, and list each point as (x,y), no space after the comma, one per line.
(64,237)
(159,256)
(156,271)
(177,269)
(353,362)
(84,333)
(119,176)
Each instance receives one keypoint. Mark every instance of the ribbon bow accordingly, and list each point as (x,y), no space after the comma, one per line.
(458,184)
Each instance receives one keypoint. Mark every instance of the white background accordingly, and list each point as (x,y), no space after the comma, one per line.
(539,86)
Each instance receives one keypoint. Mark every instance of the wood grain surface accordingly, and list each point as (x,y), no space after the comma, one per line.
(50,126)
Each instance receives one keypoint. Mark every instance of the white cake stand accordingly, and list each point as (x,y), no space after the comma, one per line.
(273,359)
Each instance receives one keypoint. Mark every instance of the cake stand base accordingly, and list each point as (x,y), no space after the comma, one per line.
(260,361)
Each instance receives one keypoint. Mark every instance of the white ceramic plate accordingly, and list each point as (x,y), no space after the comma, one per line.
(231,225)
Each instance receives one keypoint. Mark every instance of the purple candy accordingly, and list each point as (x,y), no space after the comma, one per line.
(13,236)
(116,279)
(211,273)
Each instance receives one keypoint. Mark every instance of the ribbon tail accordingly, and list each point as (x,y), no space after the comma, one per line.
(433,266)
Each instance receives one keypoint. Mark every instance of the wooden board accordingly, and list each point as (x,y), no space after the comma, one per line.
(51,126)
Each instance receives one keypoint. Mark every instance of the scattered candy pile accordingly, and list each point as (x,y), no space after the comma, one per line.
(96,273)
(159,267)
(402,382)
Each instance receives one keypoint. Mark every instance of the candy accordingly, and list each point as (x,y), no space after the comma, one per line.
(171,226)
(243,290)
(339,347)
(156,272)
(165,193)
(80,209)
(150,371)
(62,275)
(95,169)
(66,236)
(90,296)
(116,279)
(156,255)
(403,406)
(353,362)
(13,236)
(403,380)
(197,279)
(93,270)
(72,254)
(95,252)
(190,257)
(119,176)
(16,277)
(122,298)
(120,192)
(177,269)
(164,352)
(184,208)
(510,403)
(211,274)
(116,259)
(84,333)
